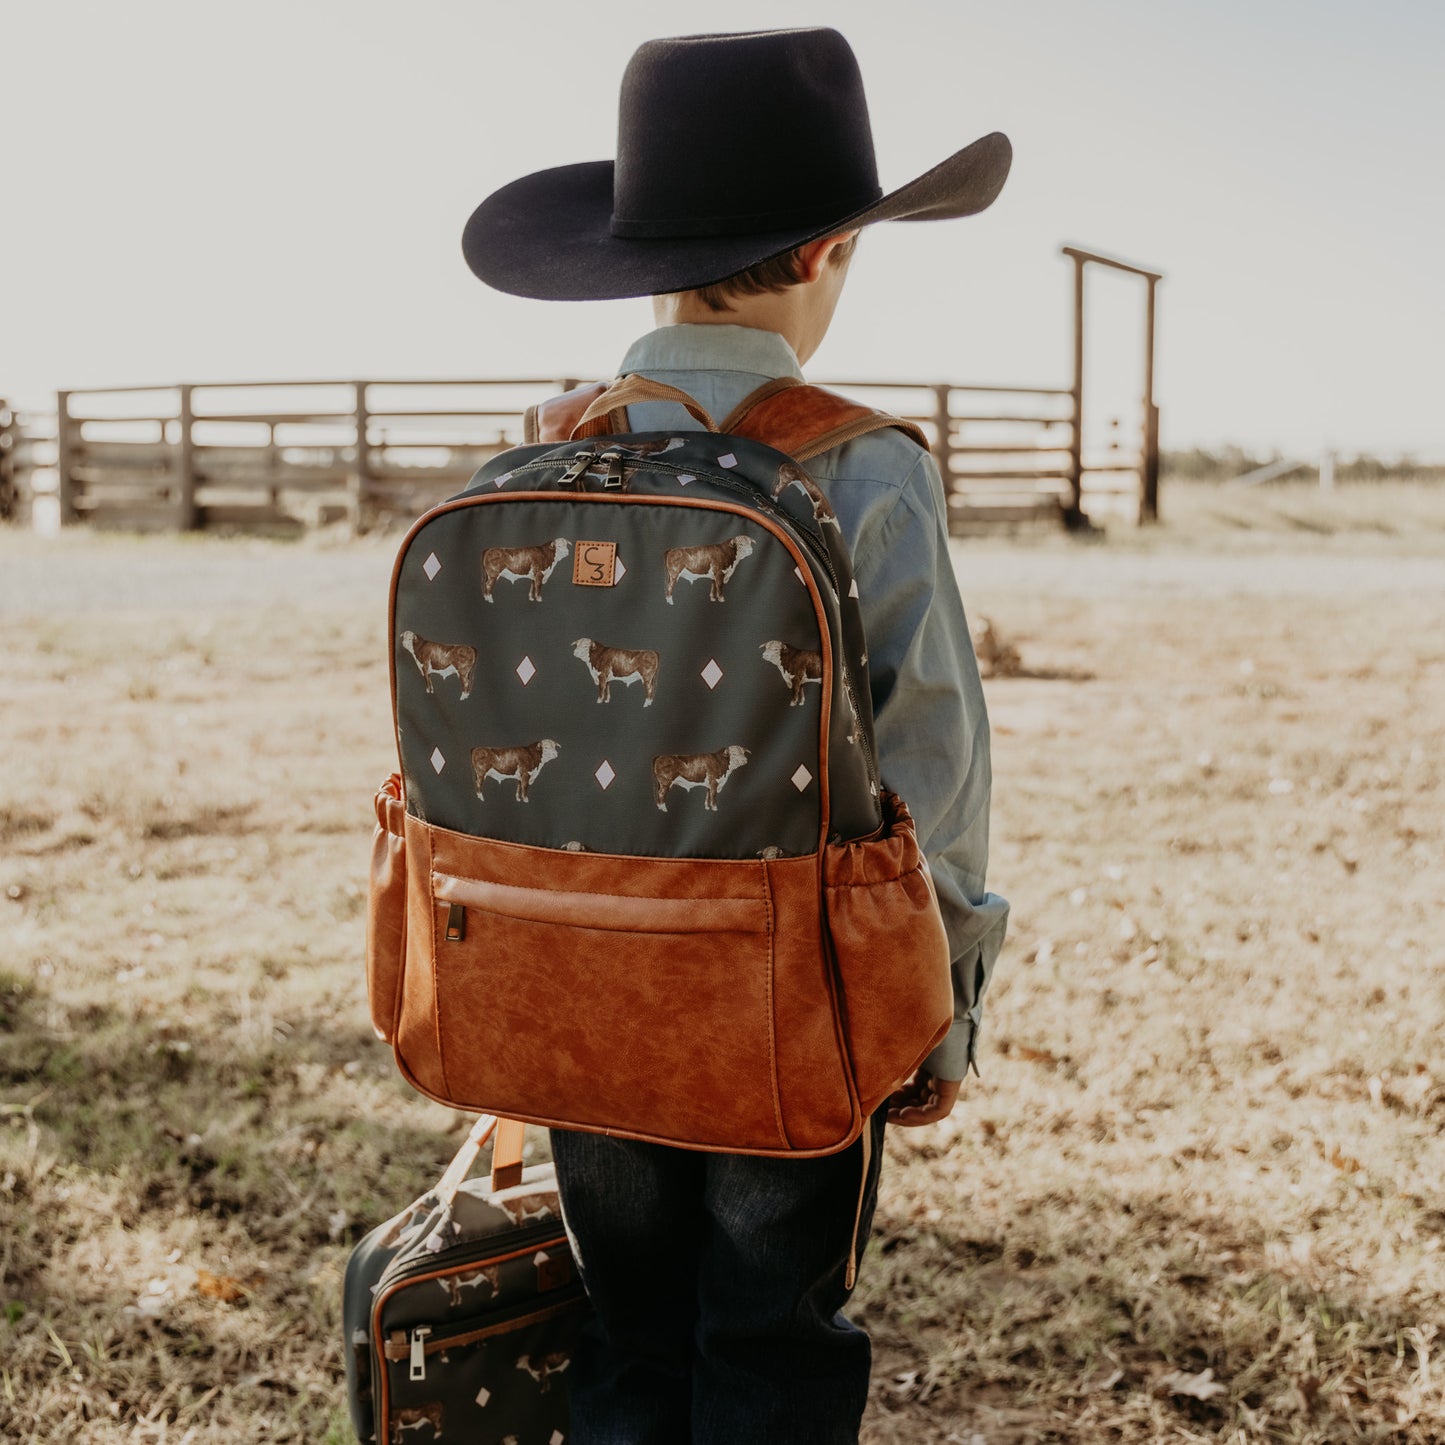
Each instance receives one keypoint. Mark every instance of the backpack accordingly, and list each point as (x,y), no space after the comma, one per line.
(638,873)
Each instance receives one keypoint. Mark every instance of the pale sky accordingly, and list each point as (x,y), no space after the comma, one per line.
(277,189)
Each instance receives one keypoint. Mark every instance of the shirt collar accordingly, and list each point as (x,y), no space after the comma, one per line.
(712,346)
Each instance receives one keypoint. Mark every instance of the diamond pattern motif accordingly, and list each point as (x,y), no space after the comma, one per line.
(802,778)
(712,673)
(605,774)
(526,670)
(853,588)
(437,760)
(483,1395)
(798,573)
(619,572)
(431,567)
(683,478)
(502,480)
(727,460)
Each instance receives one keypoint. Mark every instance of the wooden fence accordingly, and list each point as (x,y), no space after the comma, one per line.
(286,455)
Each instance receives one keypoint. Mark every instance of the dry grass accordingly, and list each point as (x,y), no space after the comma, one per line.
(1195,1197)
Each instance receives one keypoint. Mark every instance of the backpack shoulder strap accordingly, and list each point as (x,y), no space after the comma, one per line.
(805,420)
(553,420)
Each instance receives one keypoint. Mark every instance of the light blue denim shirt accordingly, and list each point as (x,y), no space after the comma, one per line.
(928,706)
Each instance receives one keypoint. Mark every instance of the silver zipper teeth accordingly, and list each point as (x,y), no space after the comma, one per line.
(818,547)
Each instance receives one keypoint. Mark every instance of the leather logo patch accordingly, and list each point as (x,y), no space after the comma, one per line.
(594,563)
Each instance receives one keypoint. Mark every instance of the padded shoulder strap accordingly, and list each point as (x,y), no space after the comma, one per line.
(805,420)
(553,420)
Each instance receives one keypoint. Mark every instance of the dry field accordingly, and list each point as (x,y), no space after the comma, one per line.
(1196,1195)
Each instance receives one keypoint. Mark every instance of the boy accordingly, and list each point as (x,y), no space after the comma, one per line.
(744,174)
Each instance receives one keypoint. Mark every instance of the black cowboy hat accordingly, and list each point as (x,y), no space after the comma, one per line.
(731,149)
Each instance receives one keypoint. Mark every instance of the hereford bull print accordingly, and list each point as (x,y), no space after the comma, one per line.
(415,1418)
(655,447)
(790,474)
(618,664)
(716,561)
(544,1367)
(487,1274)
(536,564)
(442,659)
(522,763)
(797,666)
(696,770)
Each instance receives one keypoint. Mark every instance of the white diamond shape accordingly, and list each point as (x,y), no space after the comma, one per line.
(798,573)
(727,460)
(437,761)
(502,480)
(556,1438)
(483,1395)
(605,775)
(802,778)
(619,572)
(526,670)
(684,478)
(431,567)
(712,673)
(853,588)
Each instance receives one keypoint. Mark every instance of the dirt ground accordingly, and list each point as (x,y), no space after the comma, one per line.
(1195,1195)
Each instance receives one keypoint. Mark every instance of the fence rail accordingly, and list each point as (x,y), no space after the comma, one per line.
(289,454)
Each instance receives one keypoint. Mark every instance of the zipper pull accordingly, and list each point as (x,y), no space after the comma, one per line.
(614,482)
(418,1351)
(456,923)
(573,475)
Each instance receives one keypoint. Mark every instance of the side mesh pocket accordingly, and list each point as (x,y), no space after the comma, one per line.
(386,909)
(891,952)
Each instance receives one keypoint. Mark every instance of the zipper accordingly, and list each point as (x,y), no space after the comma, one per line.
(583,461)
(516,1242)
(422,1340)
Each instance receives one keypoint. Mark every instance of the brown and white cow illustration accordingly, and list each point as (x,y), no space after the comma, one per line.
(442,659)
(618,664)
(791,474)
(413,1418)
(523,764)
(544,1367)
(526,1208)
(486,1274)
(715,560)
(798,666)
(534,563)
(696,770)
(656,447)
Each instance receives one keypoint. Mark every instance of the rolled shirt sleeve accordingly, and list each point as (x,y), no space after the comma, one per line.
(933,734)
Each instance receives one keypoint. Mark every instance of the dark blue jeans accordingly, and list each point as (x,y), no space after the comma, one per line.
(718,1282)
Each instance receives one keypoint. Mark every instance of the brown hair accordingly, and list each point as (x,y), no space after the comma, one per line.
(775,274)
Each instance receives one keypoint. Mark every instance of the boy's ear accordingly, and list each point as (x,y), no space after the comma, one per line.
(814,256)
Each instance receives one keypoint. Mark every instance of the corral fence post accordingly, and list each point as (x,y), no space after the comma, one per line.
(183,460)
(1149,471)
(1074,507)
(9,493)
(64,459)
(943,425)
(358,485)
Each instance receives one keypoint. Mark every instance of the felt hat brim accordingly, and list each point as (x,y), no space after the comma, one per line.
(548,235)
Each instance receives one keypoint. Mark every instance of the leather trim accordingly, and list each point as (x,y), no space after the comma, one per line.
(758,395)
(610,911)
(806,420)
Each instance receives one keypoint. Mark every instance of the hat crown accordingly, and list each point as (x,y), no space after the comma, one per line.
(741,133)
